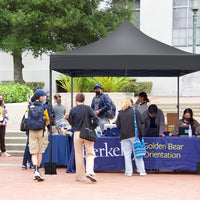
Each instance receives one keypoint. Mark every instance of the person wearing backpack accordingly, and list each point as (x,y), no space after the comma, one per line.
(101,103)
(38,118)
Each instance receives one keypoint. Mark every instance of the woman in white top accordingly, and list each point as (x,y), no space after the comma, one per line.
(141,103)
(58,110)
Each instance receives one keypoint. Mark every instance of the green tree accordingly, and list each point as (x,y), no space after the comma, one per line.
(41,26)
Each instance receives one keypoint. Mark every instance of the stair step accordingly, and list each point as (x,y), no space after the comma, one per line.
(17,147)
(15,134)
(16,140)
(17,153)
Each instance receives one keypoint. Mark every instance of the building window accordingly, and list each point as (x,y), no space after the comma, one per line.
(136,14)
(183,24)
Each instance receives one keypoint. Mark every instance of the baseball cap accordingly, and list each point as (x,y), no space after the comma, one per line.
(98,85)
(39,92)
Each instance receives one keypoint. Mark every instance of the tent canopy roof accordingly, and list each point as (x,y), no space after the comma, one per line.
(125,52)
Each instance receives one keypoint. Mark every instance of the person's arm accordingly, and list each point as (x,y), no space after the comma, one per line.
(92,104)
(139,123)
(5,116)
(107,103)
(94,118)
(196,125)
(175,131)
(197,130)
(70,118)
(118,122)
(162,124)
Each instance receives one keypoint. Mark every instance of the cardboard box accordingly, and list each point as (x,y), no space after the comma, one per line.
(172,118)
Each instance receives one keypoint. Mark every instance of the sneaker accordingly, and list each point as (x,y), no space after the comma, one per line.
(5,154)
(143,174)
(128,174)
(91,177)
(24,167)
(37,176)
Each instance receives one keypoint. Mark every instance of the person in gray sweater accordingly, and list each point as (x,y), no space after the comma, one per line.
(141,103)
(154,118)
(59,111)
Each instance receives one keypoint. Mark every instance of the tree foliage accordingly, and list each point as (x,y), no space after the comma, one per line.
(41,26)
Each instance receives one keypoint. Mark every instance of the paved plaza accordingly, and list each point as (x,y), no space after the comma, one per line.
(17,184)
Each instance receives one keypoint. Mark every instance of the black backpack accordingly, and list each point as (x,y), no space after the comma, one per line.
(24,123)
(36,118)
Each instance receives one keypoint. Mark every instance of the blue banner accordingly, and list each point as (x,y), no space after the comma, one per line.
(175,153)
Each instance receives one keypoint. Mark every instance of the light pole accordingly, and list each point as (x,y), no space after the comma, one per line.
(195,7)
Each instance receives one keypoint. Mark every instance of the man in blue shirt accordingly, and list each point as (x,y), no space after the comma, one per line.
(100,104)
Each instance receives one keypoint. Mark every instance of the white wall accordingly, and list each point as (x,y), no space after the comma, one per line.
(35,69)
(156,19)
(156,22)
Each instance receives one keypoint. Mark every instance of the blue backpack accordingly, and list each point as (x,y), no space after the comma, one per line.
(36,118)
(110,114)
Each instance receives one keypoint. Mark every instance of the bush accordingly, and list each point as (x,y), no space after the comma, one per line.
(138,87)
(15,92)
(35,85)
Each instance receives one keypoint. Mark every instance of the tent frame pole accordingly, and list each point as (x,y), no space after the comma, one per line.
(50,168)
(178,96)
(72,86)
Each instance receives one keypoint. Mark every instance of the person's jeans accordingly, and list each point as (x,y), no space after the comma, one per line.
(90,155)
(27,155)
(127,148)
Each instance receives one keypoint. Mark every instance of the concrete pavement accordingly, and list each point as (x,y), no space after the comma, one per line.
(17,184)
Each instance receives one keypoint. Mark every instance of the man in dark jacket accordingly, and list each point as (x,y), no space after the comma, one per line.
(153,119)
(100,104)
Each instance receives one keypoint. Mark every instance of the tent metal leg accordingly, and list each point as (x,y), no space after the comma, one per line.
(72,86)
(50,168)
(178,96)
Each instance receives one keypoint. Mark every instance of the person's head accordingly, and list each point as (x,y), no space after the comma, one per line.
(98,89)
(40,95)
(188,115)
(126,103)
(57,98)
(143,97)
(1,100)
(80,98)
(152,110)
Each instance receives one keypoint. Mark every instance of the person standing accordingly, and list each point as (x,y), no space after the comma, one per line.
(125,122)
(100,104)
(141,103)
(59,110)
(27,155)
(38,138)
(76,117)
(153,119)
(3,122)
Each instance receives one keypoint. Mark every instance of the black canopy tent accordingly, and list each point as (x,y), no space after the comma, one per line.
(125,52)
